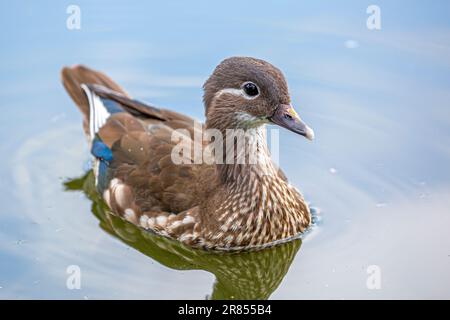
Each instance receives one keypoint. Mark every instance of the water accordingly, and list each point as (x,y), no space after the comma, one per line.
(379,103)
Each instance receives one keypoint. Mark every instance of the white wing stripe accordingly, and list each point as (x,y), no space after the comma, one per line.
(98,114)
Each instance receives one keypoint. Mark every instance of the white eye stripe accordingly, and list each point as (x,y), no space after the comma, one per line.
(234,92)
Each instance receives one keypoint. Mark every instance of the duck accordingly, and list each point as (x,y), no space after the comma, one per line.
(146,177)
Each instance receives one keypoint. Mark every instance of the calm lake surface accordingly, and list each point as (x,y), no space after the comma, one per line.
(379,169)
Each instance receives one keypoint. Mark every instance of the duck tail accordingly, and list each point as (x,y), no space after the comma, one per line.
(75,80)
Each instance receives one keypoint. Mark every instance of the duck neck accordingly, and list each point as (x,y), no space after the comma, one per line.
(245,154)
(251,158)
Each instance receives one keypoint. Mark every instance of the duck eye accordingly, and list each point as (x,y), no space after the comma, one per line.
(251,89)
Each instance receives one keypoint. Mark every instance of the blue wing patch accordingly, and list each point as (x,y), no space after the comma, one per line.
(104,154)
(111,105)
(101,151)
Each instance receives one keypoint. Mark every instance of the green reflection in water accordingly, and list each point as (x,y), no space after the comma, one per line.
(244,275)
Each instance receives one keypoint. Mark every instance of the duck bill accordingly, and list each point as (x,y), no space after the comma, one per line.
(285,116)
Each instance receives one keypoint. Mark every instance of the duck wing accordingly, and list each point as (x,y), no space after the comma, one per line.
(133,144)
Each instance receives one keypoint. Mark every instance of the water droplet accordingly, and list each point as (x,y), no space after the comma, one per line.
(351,44)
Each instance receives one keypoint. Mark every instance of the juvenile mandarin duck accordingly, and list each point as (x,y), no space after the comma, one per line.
(224,205)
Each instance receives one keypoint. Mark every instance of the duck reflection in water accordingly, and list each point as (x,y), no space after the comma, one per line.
(244,275)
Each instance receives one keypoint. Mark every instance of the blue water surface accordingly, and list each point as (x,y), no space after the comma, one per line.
(379,169)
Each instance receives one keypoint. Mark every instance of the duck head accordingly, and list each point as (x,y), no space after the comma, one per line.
(245,92)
